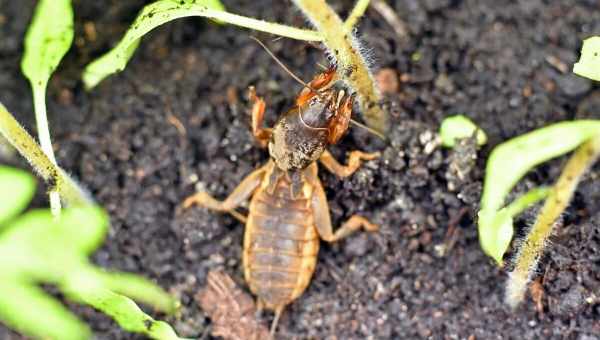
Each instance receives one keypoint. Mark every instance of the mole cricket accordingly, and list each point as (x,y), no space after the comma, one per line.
(288,211)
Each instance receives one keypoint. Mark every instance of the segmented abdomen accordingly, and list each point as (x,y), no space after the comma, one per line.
(280,246)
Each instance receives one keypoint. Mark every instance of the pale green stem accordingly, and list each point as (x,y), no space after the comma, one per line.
(39,102)
(558,199)
(259,25)
(531,197)
(357,12)
(70,192)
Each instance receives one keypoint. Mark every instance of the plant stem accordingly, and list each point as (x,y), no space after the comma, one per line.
(41,119)
(390,15)
(531,197)
(558,199)
(357,12)
(260,25)
(53,175)
(352,66)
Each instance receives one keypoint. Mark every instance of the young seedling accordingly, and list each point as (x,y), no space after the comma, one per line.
(352,65)
(507,164)
(48,39)
(37,248)
(458,127)
(558,198)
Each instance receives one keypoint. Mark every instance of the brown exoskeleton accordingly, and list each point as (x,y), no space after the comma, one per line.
(288,212)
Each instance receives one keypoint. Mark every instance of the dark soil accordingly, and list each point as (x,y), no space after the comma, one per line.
(499,62)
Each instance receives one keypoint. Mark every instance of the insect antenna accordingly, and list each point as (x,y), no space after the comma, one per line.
(285,68)
(363,126)
(305,84)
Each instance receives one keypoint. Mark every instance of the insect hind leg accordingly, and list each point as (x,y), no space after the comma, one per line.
(240,194)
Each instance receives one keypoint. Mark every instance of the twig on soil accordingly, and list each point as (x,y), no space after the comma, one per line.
(173,120)
(557,63)
(392,18)
(232,311)
(452,232)
(537,294)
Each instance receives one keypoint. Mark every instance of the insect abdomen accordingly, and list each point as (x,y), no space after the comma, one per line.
(280,246)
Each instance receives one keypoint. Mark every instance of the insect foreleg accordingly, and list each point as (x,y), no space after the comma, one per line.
(354,162)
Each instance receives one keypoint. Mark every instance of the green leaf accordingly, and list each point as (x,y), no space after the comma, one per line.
(48,38)
(21,187)
(496,238)
(459,127)
(127,314)
(509,162)
(150,17)
(163,11)
(589,62)
(38,248)
(31,311)
(139,289)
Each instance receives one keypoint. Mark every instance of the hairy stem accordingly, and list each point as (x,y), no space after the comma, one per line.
(53,175)
(558,199)
(531,197)
(260,25)
(352,67)
(357,12)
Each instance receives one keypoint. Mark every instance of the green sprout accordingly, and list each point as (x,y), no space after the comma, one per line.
(336,35)
(460,127)
(47,40)
(507,164)
(589,62)
(37,248)
(558,198)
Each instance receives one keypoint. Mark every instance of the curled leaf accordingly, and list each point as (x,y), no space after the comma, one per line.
(163,11)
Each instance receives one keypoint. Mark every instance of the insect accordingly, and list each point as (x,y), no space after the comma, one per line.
(288,211)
